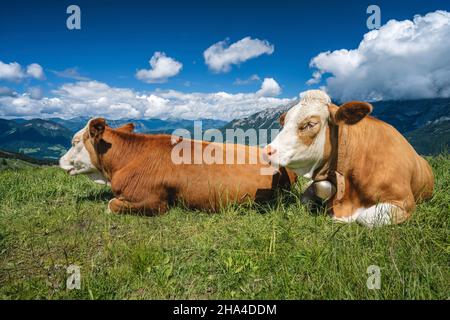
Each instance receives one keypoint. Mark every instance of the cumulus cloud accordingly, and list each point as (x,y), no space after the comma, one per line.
(402,60)
(35,71)
(220,56)
(162,68)
(11,71)
(5,91)
(35,93)
(269,88)
(252,78)
(14,72)
(24,106)
(93,98)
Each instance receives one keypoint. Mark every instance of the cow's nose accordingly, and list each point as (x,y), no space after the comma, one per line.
(267,152)
(270,151)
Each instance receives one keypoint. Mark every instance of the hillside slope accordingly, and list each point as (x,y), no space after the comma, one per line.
(37,138)
(49,220)
(14,164)
(19,156)
(432,138)
(409,115)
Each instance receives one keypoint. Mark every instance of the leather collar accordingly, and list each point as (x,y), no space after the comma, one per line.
(333,170)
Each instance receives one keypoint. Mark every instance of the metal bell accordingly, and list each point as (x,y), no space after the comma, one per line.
(324,189)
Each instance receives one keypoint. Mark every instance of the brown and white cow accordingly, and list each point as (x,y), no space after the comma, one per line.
(77,161)
(144,177)
(362,167)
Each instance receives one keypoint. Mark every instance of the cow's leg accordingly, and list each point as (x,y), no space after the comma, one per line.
(374,216)
(390,212)
(385,212)
(126,184)
(378,215)
(151,206)
(343,211)
(408,206)
(382,214)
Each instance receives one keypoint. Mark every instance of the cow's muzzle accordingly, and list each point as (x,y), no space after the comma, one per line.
(268,152)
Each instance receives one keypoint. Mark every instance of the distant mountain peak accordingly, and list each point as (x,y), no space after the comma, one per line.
(410,117)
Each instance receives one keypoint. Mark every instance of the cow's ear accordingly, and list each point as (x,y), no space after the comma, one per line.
(350,112)
(96,128)
(332,108)
(282,117)
(129,127)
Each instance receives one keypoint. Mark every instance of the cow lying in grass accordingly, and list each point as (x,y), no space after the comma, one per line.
(144,177)
(363,168)
(77,160)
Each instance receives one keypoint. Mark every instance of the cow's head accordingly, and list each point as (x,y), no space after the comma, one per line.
(301,143)
(77,159)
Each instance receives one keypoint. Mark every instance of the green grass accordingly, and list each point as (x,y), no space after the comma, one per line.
(14,164)
(49,220)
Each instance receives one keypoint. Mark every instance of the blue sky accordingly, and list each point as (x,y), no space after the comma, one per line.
(118,38)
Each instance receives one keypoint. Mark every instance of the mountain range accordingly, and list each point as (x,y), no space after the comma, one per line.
(37,138)
(142,125)
(50,138)
(425,123)
(266,119)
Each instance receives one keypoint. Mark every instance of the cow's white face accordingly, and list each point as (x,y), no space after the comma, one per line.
(300,144)
(77,160)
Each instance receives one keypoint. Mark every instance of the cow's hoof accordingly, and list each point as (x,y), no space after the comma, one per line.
(344,220)
(108,209)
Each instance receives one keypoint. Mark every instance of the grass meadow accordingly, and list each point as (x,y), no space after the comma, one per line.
(49,220)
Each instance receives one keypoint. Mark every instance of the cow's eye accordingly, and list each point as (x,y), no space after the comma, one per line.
(308,125)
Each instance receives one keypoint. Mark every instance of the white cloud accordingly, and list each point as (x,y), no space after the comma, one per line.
(35,93)
(35,71)
(252,78)
(402,60)
(5,91)
(269,88)
(162,68)
(71,73)
(93,98)
(156,105)
(219,57)
(316,78)
(11,71)
(14,72)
